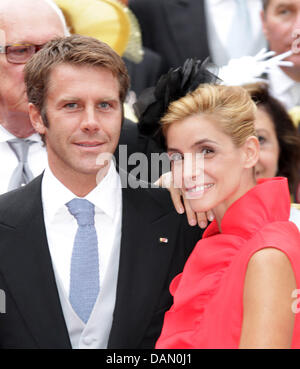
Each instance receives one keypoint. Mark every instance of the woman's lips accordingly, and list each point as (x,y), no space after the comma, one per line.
(198,191)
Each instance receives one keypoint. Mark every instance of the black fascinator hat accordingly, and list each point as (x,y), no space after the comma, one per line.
(178,82)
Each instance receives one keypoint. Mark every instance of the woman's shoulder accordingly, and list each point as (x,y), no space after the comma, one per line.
(276,247)
(270,258)
(276,240)
(268,267)
(282,235)
(264,264)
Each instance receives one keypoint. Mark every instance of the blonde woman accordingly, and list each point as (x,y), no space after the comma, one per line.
(239,286)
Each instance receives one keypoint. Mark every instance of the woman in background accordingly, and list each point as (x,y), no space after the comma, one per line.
(278,137)
(279,142)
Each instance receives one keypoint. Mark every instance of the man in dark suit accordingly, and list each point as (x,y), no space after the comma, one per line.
(180,29)
(57,295)
(144,74)
(175,29)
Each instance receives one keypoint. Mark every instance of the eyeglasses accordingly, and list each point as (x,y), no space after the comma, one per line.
(19,54)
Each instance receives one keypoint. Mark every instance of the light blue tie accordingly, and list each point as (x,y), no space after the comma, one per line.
(84,282)
(240,34)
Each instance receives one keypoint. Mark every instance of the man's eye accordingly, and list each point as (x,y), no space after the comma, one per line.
(23,50)
(284,11)
(176,156)
(104,105)
(71,105)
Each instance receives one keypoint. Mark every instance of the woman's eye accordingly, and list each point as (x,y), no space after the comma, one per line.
(206,151)
(261,140)
(176,156)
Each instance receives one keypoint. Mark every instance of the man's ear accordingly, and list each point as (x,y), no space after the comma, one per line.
(251,151)
(263,23)
(36,119)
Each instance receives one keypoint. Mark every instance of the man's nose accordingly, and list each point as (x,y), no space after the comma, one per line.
(90,121)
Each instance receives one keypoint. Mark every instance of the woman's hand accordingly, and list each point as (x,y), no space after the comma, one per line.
(166,181)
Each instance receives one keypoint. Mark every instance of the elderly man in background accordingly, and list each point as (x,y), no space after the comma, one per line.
(25,26)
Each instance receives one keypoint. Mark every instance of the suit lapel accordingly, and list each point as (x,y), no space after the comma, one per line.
(142,268)
(27,270)
(187,38)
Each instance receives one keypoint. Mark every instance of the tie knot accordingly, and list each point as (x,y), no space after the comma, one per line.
(20,147)
(83,211)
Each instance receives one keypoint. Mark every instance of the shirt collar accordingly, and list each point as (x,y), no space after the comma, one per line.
(5,136)
(104,196)
(107,195)
(255,209)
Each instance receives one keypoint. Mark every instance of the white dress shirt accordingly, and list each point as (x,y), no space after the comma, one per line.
(37,157)
(61,228)
(219,17)
(283,88)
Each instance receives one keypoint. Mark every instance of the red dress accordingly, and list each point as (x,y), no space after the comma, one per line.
(208,295)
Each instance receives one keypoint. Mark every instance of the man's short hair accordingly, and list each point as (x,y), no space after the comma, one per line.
(74,50)
(265,4)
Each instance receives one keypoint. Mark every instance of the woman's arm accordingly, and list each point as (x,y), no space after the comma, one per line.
(268,319)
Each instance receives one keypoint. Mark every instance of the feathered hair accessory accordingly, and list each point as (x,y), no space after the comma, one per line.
(178,82)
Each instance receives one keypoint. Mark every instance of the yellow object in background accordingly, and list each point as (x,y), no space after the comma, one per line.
(295,115)
(129,113)
(105,20)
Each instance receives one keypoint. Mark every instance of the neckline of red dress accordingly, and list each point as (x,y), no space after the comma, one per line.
(268,201)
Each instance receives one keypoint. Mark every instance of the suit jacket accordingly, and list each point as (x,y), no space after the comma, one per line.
(175,29)
(144,74)
(34,318)
(136,142)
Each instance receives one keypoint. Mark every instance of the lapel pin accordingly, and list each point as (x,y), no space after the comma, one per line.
(163,240)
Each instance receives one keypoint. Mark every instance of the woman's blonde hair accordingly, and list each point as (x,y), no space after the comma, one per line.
(230,107)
